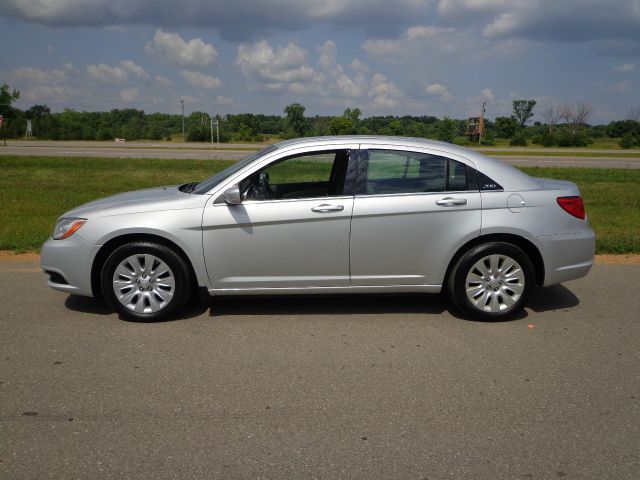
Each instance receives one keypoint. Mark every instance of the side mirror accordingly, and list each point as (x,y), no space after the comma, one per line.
(231,195)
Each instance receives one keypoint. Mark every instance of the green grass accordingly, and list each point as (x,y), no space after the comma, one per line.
(34,191)
(612,200)
(537,153)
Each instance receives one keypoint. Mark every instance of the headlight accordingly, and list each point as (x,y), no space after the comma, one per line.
(67,227)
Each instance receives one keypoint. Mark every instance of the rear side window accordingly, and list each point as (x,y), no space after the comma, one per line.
(393,171)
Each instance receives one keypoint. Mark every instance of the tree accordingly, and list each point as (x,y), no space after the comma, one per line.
(552,117)
(341,126)
(7,97)
(523,111)
(575,115)
(353,114)
(347,124)
(295,120)
(505,127)
(634,114)
(447,129)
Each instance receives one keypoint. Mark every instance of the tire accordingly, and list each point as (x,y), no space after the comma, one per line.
(145,281)
(491,281)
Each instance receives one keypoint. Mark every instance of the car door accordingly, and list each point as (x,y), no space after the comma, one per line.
(412,211)
(291,229)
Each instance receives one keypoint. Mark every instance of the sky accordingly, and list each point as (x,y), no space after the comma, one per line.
(386,57)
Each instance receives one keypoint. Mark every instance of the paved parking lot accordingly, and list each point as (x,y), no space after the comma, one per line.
(324,387)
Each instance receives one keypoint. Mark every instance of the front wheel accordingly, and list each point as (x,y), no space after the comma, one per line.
(145,281)
(491,281)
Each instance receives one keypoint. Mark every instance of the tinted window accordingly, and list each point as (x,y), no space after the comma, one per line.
(393,171)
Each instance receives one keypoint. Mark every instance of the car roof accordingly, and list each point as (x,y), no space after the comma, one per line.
(509,177)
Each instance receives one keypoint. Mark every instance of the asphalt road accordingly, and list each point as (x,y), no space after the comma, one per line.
(324,387)
(199,151)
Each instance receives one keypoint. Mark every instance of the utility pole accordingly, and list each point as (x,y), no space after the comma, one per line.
(217,131)
(481,126)
(182,104)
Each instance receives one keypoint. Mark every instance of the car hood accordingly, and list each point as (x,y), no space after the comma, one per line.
(151,199)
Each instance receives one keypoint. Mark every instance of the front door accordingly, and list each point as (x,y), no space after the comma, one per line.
(291,229)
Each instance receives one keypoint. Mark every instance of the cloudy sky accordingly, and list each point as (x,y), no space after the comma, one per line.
(419,57)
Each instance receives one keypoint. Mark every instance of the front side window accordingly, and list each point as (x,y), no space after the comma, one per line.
(316,174)
(395,171)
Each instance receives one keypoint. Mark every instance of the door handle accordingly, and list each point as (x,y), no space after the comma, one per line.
(325,207)
(451,202)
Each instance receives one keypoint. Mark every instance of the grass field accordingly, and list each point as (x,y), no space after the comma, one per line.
(34,191)
(555,153)
(598,143)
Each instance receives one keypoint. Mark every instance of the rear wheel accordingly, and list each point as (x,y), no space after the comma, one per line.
(491,281)
(145,281)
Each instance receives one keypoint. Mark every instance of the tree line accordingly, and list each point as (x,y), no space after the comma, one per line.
(564,125)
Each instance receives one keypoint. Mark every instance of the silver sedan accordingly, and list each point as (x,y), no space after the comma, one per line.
(329,215)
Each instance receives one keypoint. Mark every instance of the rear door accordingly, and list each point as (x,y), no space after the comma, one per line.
(412,210)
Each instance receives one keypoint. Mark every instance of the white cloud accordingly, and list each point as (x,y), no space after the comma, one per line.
(334,72)
(198,79)
(488,94)
(437,37)
(384,93)
(274,68)
(172,48)
(163,81)
(42,86)
(505,24)
(106,73)
(625,67)
(222,101)
(359,66)
(621,87)
(46,93)
(133,68)
(438,90)
(35,75)
(129,95)
(236,19)
(566,20)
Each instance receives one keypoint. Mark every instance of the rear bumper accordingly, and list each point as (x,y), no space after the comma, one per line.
(68,264)
(567,257)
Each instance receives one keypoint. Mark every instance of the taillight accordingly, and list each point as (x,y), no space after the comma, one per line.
(573,206)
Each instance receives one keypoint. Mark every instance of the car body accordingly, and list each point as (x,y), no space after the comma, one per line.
(344,214)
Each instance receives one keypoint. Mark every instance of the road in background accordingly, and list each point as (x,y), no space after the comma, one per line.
(362,387)
(234,151)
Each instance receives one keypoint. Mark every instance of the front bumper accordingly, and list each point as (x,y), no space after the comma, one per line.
(567,257)
(68,264)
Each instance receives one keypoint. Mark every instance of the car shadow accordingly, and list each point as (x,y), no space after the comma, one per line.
(328,304)
(97,306)
(546,299)
(556,297)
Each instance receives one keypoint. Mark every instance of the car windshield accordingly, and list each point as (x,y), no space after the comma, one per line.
(206,185)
